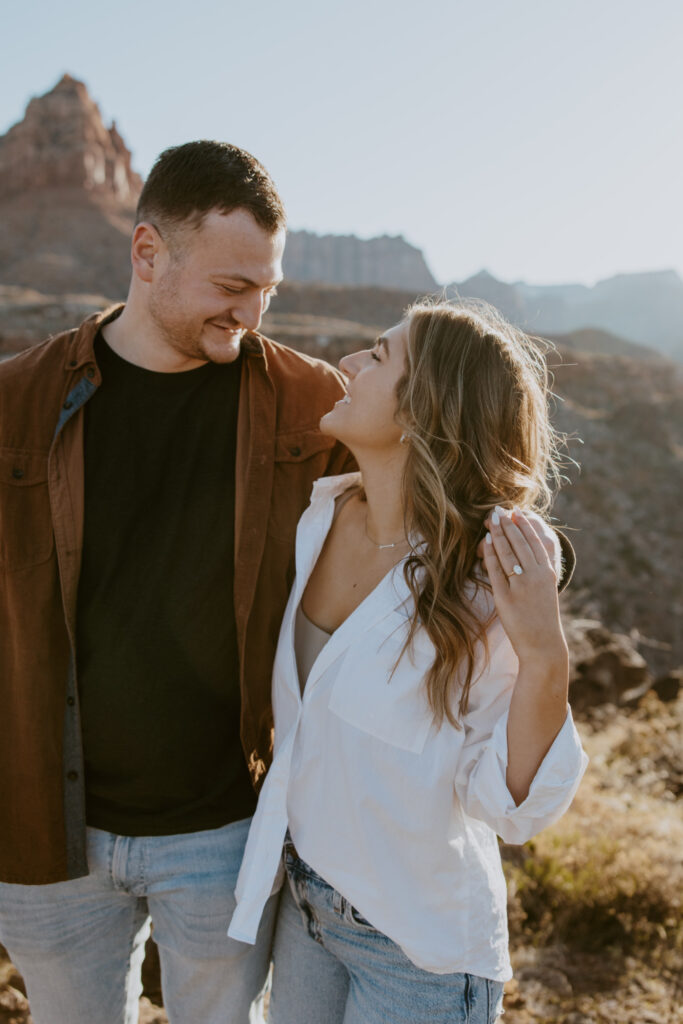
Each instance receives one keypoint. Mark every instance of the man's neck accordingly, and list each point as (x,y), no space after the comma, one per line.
(137,339)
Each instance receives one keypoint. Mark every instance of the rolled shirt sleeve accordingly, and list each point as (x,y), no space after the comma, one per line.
(480,781)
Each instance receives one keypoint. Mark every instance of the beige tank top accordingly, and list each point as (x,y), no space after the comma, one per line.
(309,641)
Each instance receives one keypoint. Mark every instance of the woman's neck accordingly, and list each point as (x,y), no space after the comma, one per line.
(382,484)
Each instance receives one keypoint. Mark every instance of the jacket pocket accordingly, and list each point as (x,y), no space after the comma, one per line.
(26,537)
(381,695)
(301,445)
(300,458)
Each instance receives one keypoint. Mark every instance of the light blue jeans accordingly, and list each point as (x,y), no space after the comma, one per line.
(330,966)
(80,944)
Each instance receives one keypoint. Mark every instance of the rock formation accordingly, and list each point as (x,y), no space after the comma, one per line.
(67,197)
(388,262)
(62,142)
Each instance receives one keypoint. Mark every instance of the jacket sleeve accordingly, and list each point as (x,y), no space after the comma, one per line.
(480,775)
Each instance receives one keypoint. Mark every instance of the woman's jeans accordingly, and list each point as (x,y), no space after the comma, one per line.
(332,967)
(80,944)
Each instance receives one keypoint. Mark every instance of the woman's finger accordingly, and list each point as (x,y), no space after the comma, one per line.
(496,573)
(510,544)
(533,535)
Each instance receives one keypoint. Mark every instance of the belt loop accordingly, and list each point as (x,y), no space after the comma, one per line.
(338,902)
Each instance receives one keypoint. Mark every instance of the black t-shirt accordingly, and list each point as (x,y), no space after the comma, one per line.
(156,643)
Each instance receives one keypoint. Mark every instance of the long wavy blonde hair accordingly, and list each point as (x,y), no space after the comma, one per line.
(474,407)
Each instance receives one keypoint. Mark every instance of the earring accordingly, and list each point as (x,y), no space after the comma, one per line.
(403,438)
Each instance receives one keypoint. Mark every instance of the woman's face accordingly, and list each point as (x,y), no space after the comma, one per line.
(365,418)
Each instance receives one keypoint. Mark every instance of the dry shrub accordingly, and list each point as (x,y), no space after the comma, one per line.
(608,876)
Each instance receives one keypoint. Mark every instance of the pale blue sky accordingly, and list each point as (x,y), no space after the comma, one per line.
(541,139)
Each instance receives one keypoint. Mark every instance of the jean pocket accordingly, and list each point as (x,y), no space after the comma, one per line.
(357,918)
(495,992)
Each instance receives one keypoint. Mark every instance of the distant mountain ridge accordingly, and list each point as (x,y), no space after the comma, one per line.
(67,200)
(645,308)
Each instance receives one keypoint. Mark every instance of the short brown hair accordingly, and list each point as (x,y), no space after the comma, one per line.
(188,181)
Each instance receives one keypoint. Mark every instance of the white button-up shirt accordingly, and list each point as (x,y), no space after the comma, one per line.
(396,814)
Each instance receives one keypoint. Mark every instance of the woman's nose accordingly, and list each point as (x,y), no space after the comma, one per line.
(349,365)
(345,366)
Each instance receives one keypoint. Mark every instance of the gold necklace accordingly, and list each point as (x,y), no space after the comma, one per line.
(380,547)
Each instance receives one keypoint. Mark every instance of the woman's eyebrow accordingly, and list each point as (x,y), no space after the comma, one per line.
(383,342)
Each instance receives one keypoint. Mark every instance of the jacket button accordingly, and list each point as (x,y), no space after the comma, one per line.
(90,371)
(67,405)
(295,451)
(72,776)
(71,701)
(17,473)
(74,362)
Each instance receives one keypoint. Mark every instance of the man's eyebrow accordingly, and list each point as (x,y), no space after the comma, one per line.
(247,280)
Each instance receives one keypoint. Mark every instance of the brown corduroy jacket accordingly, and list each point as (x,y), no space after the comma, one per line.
(280,452)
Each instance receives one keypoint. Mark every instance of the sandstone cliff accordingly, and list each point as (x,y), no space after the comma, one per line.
(388,262)
(67,197)
(62,141)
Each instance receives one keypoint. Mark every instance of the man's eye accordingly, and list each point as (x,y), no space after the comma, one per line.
(229,290)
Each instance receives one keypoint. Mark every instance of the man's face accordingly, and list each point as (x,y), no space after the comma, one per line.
(212,284)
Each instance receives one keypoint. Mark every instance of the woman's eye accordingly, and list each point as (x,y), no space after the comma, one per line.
(375,356)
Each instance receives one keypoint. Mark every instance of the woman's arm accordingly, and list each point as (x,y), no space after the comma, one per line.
(528,609)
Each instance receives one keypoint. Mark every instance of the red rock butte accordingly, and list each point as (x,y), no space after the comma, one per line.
(63,142)
(67,197)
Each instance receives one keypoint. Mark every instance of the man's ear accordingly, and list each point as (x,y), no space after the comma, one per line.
(145,250)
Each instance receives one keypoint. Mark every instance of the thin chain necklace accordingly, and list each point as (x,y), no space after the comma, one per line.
(380,547)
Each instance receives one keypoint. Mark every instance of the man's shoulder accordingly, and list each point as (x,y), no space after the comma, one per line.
(38,360)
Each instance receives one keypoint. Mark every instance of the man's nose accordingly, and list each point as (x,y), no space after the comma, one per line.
(249,310)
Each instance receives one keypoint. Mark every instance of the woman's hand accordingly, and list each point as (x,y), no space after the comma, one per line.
(524,586)
(525,591)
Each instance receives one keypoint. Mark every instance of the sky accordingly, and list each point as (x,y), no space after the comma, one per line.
(538,139)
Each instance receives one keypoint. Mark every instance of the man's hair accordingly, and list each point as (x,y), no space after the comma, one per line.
(188,181)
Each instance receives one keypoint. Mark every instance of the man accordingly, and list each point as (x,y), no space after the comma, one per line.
(154,463)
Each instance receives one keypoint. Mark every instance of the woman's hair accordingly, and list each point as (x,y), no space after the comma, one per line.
(474,407)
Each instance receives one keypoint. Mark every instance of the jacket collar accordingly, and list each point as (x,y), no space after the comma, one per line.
(81,350)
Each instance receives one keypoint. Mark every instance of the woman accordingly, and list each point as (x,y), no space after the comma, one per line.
(420,702)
